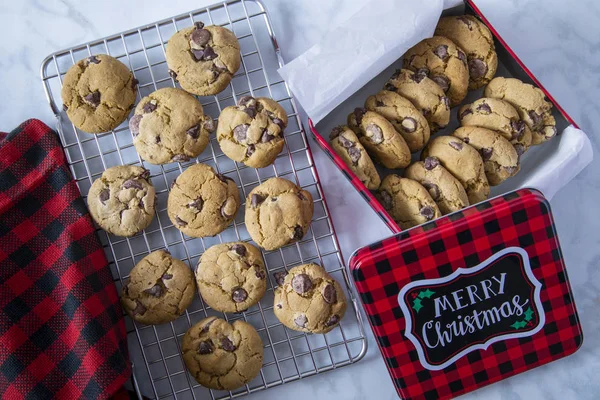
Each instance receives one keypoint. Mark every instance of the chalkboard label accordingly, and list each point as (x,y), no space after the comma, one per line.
(470,309)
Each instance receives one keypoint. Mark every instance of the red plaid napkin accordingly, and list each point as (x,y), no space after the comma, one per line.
(62,332)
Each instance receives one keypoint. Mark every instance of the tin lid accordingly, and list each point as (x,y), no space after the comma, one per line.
(469,299)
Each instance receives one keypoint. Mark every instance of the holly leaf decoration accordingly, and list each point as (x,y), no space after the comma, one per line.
(529,314)
(427,293)
(417,305)
(519,324)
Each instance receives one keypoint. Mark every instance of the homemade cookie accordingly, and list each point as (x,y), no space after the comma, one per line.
(447,191)
(220,355)
(122,200)
(252,131)
(278,213)
(231,277)
(426,95)
(169,125)
(444,63)
(160,288)
(408,121)
(531,104)
(497,115)
(407,201)
(500,159)
(464,162)
(309,300)
(477,41)
(346,144)
(382,141)
(203,59)
(201,202)
(98,92)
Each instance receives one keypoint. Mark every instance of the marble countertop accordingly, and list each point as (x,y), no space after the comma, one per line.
(558,40)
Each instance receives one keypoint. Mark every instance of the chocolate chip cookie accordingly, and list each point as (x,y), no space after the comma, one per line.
(278,213)
(98,93)
(426,95)
(169,125)
(252,131)
(201,202)
(122,200)
(309,300)
(497,115)
(464,162)
(231,277)
(531,104)
(203,59)
(220,355)
(444,63)
(477,41)
(159,290)
(346,144)
(407,201)
(500,159)
(381,140)
(447,191)
(408,121)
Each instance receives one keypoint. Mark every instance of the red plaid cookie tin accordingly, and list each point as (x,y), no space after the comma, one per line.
(470,298)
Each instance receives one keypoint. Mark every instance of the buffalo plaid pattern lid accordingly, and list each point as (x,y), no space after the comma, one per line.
(62,332)
(469,299)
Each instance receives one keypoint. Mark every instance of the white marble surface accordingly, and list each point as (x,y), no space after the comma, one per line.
(558,40)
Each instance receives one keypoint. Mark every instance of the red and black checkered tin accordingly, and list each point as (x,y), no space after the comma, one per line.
(469,299)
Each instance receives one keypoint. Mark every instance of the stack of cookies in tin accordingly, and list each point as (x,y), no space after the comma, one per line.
(400,121)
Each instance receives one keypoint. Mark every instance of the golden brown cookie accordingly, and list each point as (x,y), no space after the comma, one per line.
(531,104)
(346,144)
(426,95)
(203,59)
(477,41)
(252,131)
(447,191)
(122,200)
(98,93)
(220,355)
(444,63)
(381,140)
(462,161)
(408,121)
(201,202)
(407,201)
(169,125)
(159,290)
(278,213)
(500,159)
(231,277)
(308,299)
(497,115)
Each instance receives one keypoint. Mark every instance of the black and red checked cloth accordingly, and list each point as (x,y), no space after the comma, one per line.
(62,333)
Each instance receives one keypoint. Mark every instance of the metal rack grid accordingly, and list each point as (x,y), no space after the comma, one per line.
(159,371)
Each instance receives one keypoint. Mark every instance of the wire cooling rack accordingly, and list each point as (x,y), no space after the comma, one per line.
(159,371)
